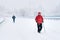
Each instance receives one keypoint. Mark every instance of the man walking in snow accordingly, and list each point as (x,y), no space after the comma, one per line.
(13,17)
(39,21)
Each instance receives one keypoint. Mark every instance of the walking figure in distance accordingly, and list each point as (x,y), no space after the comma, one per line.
(13,17)
(39,21)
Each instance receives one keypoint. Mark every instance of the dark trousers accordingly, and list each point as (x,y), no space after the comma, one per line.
(14,20)
(39,27)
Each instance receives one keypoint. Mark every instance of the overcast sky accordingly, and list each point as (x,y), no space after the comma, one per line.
(47,7)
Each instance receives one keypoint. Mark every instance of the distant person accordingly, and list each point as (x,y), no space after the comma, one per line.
(13,17)
(39,21)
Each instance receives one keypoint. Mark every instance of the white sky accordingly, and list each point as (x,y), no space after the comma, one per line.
(48,7)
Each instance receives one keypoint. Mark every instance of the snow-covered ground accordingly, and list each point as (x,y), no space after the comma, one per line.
(26,29)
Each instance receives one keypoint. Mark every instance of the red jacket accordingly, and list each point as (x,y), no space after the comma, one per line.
(39,19)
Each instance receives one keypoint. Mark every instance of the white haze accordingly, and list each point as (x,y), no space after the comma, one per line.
(29,8)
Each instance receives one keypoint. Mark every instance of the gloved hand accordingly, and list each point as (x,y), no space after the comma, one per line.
(36,21)
(42,21)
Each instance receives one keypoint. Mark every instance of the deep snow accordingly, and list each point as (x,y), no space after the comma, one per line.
(26,29)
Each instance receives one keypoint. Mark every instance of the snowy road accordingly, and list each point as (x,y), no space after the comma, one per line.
(26,29)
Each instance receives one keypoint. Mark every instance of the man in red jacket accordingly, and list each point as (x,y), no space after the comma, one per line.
(39,21)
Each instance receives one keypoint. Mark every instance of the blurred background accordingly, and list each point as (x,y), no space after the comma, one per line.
(29,8)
